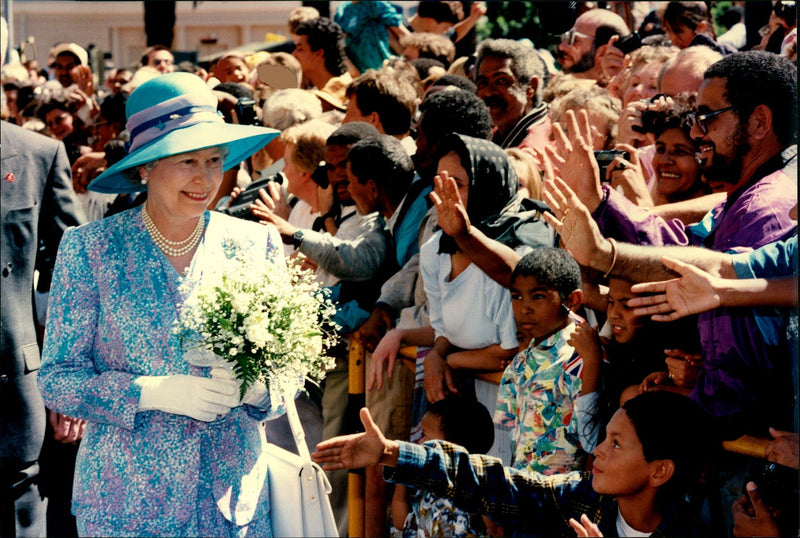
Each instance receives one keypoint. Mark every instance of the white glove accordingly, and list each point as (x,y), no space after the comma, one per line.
(257,394)
(201,398)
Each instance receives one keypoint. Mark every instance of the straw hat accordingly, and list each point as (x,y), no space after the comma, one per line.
(171,114)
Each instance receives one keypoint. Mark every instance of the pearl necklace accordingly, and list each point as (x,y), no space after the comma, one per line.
(173,248)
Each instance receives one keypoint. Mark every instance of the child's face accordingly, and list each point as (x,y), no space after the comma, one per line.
(431,427)
(232,69)
(623,323)
(619,467)
(538,309)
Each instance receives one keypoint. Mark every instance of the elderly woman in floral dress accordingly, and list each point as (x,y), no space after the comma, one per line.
(169,448)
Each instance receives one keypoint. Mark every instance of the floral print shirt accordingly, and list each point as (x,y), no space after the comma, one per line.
(536,399)
(433,515)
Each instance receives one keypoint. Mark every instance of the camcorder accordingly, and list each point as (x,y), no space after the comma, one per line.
(629,43)
(605,157)
(240,208)
(246,111)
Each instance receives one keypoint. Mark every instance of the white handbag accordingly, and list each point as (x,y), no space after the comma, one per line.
(298,487)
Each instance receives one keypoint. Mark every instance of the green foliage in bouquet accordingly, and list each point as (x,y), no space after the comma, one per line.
(269,320)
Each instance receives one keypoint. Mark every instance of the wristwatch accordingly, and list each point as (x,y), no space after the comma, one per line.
(297,238)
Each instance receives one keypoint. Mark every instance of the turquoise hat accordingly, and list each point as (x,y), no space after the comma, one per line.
(172,114)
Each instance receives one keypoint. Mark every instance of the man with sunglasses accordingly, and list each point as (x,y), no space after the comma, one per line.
(583,46)
(745,126)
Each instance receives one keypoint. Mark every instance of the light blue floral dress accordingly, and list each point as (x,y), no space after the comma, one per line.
(113,302)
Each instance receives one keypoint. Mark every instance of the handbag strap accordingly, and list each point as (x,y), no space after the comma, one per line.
(297,428)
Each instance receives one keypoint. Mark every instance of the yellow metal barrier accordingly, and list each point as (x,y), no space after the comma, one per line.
(355,480)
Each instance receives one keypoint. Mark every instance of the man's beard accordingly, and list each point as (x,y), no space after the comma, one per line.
(585,63)
(729,170)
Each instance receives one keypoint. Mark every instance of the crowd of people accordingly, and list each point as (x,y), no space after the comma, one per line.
(608,226)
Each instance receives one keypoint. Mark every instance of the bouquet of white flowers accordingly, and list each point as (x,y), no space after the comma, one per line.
(269,320)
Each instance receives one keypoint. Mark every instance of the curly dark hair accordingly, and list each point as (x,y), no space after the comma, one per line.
(454,110)
(552,267)
(755,78)
(678,115)
(323,33)
(382,159)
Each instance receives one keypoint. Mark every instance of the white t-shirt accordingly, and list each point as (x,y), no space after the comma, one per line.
(303,217)
(472,311)
(623,529)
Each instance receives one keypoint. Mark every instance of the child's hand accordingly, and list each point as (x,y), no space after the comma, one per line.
(586,342)
(585,527)
(683,367)
(654,381)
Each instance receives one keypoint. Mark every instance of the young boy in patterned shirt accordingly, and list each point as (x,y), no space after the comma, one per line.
(558,365)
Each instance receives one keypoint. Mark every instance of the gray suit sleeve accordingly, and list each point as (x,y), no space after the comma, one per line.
(357,259)
(60,210)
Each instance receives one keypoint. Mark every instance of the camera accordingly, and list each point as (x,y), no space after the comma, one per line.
(240,207)
(629,43)
(605,157)
(246,111)
(320,175)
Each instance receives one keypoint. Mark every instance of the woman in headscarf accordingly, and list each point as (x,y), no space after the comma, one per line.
(472,325)
(169,448)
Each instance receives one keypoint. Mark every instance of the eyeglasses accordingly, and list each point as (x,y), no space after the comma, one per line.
(701,120)
(569,37)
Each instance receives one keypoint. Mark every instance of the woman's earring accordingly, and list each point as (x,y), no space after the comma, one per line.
(143,181)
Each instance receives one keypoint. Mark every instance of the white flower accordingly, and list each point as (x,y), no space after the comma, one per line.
(259,335)
(241,303)
(260,314)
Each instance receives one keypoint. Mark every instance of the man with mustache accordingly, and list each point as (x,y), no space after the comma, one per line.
(583,46)
(510,76)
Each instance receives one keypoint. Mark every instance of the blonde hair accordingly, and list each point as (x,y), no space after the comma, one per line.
(306,143)
(431,45)
(527,170)
(290,107)
(594,100)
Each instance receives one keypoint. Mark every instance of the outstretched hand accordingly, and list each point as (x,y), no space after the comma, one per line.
(784,448)
(694,292)
(357,450)
(579,233)
(574,158)
(450,210)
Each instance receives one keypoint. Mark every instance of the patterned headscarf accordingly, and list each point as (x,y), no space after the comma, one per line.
(493,205)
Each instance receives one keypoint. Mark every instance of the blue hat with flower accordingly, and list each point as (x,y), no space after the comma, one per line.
(172,114)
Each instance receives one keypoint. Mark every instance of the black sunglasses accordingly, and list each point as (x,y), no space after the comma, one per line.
(701,120)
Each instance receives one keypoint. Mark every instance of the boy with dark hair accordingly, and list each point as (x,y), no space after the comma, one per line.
(654,450)
(418,512)
(539,392)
